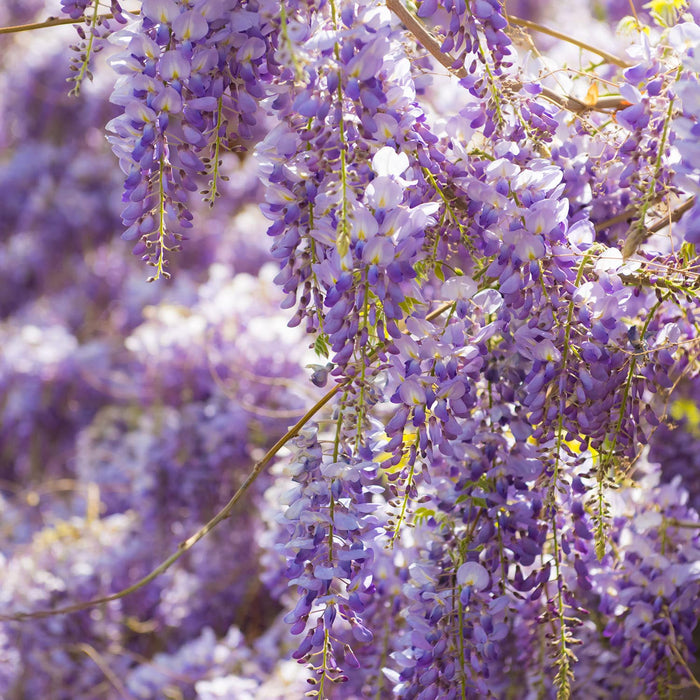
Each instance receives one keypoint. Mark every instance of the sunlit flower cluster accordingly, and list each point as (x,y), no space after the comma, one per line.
(416,417)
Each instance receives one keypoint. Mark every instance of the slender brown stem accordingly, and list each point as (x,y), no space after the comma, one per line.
(679,658)
(50,22)
(55,22)
(690,524)
(527,24)
(183,547)
(675,216)
(224,513)
(638,234)
(103,665)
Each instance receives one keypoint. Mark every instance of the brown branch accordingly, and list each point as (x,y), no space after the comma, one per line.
(424,37)
(527,24)
(691,524)
(571,104)
(626,215)
(639,235)
(103,665)
(629,215)
(676,214)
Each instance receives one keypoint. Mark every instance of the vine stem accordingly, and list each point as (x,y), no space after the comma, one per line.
(223,514)
(563,675)
(324,675)
(404,505)
(563,378)
(609,456)
(56,22)
(160,265)
(682,662)
(84,69)
(674,522)
(676,214)
(463,673)
(187,544)
(50,22)
(527,24)
(213,183)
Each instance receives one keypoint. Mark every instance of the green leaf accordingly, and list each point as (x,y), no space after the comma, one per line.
(422,514)
(321,345)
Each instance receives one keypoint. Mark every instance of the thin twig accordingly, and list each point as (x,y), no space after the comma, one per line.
(223,514)
(102,664)
(679,658)
(527,24)
(626,215)
(573,104)
(50,22)
(185,546)
(676,214)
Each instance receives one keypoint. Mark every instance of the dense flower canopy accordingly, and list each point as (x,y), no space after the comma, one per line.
(412,408)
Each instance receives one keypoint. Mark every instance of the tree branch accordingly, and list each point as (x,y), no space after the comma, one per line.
(428,41)
(424,37)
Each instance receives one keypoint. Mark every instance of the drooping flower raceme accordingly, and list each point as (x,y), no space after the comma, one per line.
(492,258)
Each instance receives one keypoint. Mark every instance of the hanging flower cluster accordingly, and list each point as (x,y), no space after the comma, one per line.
(494,261)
